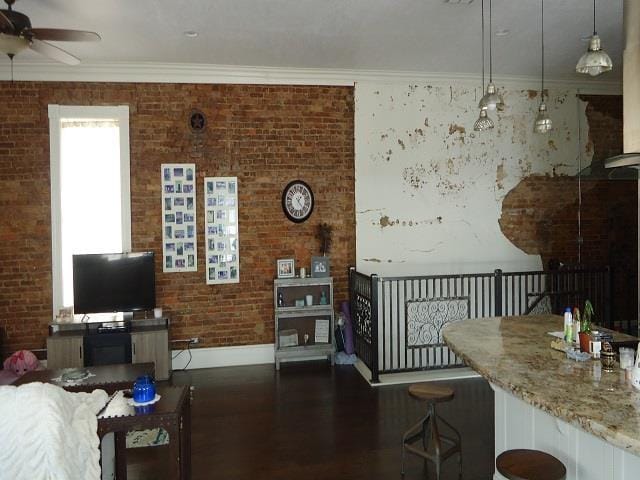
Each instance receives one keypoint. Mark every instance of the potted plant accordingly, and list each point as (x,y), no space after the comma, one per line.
(585,326)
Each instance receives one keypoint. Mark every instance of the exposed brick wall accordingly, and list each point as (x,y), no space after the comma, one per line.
(604,114)
(540,215)
(264,135)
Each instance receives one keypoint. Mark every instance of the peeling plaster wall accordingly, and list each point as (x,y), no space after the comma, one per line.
(429,189)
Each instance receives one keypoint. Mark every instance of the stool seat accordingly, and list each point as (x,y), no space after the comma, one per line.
(523,464)
(431,393)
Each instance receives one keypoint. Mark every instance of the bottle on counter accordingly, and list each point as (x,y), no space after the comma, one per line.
(568,325)
(576,325)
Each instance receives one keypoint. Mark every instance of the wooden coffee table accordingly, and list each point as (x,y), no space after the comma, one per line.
(172,412)
(107,377)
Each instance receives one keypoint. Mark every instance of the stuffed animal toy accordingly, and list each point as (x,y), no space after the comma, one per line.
(21,362)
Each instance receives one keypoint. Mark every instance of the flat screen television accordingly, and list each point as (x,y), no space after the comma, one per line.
(114,282)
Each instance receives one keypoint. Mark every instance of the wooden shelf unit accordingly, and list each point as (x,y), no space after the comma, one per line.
(302,319)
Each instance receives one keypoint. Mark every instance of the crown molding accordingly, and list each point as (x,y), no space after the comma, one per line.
(231,74)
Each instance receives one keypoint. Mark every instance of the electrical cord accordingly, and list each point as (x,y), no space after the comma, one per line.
(188,350)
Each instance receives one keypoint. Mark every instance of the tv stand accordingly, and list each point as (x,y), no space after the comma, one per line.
(149,343)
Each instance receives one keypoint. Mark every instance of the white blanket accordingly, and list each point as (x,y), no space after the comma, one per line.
(48,433)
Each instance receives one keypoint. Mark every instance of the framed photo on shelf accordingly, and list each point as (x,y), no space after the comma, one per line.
(286,268)
(319,267)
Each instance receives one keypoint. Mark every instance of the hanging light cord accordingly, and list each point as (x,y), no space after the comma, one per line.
(482,16)
(579,239)
(542,49)
(594,17)
(11,55)
(490,42)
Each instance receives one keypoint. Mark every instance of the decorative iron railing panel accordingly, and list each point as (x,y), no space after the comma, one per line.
(383,333)
(364,317)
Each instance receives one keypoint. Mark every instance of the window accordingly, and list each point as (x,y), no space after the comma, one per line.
(90,205)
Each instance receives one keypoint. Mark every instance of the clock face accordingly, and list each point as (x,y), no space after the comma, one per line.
(297,201)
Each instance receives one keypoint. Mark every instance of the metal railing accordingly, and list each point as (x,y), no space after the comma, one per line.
(378,308)
(363,300)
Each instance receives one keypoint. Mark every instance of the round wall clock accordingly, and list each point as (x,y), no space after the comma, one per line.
(297,201)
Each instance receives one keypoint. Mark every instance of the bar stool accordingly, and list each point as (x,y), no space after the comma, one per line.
(427,429)
(525,464)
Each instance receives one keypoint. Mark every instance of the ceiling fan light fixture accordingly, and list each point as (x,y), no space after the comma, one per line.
(595,61)
(16,35)
(543,123)
(12,45)
(483,122)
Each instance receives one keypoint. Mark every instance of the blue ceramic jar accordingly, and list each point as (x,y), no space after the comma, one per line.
(144,389)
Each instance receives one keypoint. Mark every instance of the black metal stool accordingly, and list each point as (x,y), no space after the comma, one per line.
(525,464)
(427,429)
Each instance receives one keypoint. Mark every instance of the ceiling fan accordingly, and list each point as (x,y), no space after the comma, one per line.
(16,35)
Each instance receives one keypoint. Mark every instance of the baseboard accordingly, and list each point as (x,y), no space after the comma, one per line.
(223,356)
(415,377)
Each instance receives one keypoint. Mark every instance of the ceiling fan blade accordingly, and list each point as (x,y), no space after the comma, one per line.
(53,52)
(62,35)
(5,22)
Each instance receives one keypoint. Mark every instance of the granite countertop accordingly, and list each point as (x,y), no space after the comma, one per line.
(514,354)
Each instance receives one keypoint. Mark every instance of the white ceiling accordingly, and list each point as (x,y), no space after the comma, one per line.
(394,35)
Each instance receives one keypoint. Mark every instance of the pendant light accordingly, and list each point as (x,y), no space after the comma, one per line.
(543,123)
(596,60)
(492,99)
(483,122)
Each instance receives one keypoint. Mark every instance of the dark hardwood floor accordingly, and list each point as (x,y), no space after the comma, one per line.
(309,421)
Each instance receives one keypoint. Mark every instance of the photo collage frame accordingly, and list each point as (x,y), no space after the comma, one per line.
(179,238)
(222,240)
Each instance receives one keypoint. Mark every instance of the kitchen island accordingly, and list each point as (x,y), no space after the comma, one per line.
(586,417)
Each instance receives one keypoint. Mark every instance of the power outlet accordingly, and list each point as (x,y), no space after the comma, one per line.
(194,340)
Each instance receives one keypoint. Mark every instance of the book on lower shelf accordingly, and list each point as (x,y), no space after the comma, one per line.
(322,331)
(288,338)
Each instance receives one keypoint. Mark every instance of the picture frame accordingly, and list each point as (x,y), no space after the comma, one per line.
(286,268)
(319,267)
(222,247)
(179,247)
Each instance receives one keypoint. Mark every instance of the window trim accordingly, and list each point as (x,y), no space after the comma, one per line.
(56,113)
